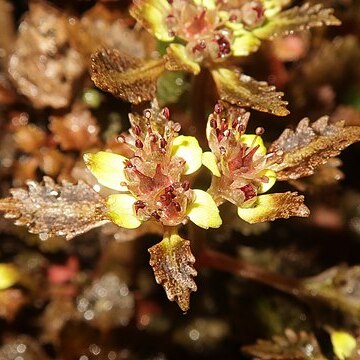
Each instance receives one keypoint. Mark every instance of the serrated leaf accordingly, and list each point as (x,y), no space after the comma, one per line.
(50,209)
(172,262)
(274,206)
(339,288)
(297,18)
(242,90)
(291,346)
(177,59)
(310,146)
(126,77)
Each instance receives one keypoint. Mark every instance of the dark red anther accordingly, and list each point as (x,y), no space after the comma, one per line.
(233,18)
(155,215)
(128,164)
(169,189)
(213,123)
(218,108)
(235,123)
(137,130)
(241,128)
(186,185)
(139,144)
(139,205)
(166,112)
(170,1)
(153,138)
(224,46)
(165,199)
(249,191)
(177,206)
(163,142)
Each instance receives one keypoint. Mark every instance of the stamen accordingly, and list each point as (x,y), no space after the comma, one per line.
(139,144)
(139,205)
(147,114)
(166,113)
(177,206)
(155,215)
(137,130)
(163,143)
(186,185)
(218,109)
(213,123)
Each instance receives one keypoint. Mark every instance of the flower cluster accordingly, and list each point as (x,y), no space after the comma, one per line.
(239,162)
(152,182)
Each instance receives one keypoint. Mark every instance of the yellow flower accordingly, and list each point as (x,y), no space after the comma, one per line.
(150,183)
(238,162)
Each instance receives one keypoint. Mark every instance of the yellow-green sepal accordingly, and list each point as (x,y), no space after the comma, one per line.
(9,276)
(209,4)
(151,14)
(203,211)
(108,168)
(343,343)
(121,210)
(209,160)
(252,140)
(177,59)
(245,44)
(266,186)
(188,148)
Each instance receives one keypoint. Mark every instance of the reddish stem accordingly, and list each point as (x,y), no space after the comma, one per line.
(219,261)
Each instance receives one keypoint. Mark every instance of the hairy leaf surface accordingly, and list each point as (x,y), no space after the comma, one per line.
(291,346)
(50,209)
(126,77)
(275,206)
(310,146)
(297,18)
(242,90)
(338,287)
(172,262)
